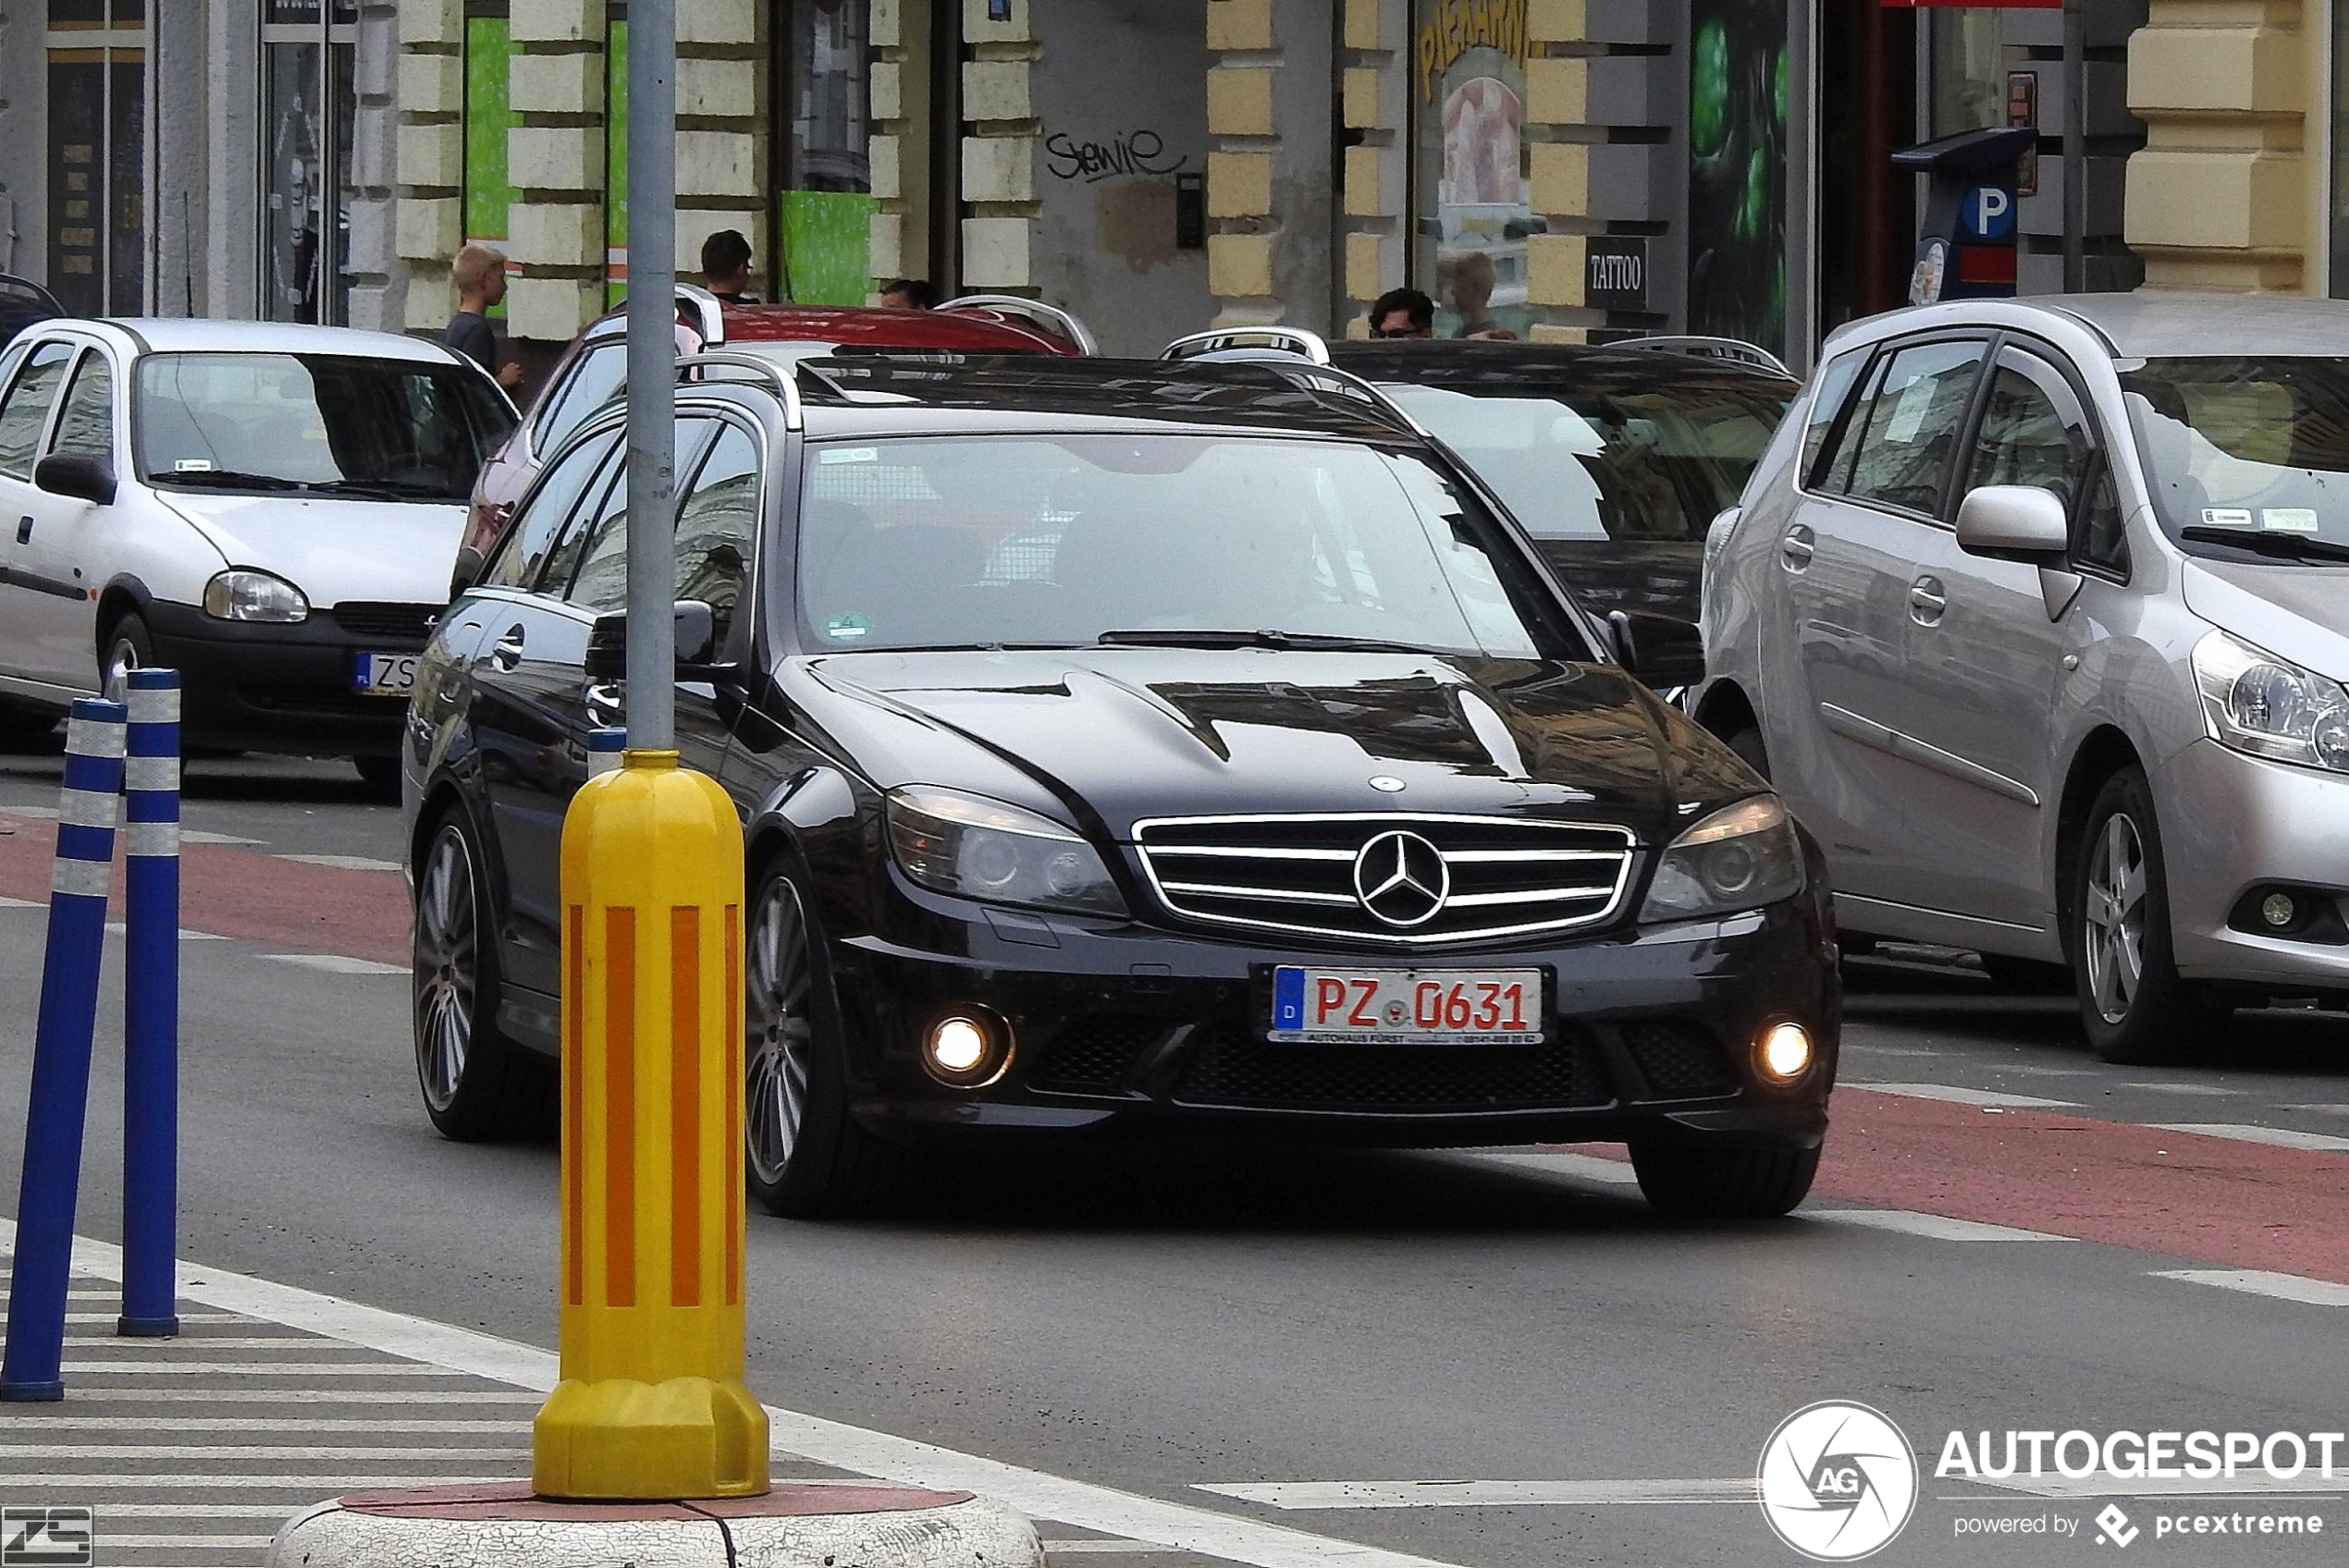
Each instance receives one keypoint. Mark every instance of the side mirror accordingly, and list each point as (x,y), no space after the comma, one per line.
(1662,650)
(470,563)
(75,475)
(696,643)
(2014,522)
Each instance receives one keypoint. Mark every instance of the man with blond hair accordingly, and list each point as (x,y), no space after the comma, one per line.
(480,276)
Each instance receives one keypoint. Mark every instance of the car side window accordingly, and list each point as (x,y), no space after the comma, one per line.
(718,527)
(540,522)
(601,583)
(2101,538)
(85,425)
(2034,431)
(1828,405)
(594,381)
(1914,423)
(25,412)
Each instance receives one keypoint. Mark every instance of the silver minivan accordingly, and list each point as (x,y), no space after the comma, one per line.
(2037,613)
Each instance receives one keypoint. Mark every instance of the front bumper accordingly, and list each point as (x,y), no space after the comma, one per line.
(253,687)
(2230,823)
(1132,1028)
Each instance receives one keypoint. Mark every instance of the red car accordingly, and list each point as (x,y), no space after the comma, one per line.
(594,368)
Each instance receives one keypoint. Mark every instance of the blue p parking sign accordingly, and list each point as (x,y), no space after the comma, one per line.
(1987,213)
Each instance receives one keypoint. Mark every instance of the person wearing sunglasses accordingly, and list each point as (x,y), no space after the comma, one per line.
(1403,313)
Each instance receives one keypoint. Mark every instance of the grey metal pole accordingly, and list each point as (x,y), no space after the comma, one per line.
(652,374)
(2075,148)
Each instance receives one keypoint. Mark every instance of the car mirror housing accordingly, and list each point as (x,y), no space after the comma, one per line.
(2014,522)
(79,477)
(1662,650)
(696,643)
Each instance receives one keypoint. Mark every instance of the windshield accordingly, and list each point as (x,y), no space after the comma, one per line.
(2254,447)
(1658,463)
(1070,540)
(367,428)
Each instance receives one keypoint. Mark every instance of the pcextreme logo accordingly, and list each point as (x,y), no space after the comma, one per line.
(1838,1481)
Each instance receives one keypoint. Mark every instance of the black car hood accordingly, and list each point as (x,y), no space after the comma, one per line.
(1660,576)
(1118,735)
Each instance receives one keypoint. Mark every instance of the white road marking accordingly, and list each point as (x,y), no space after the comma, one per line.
(12,1453)
(115,928)
(519,1427)
(2258,1283)
(2279,1137)
(337,963)
(1934,1227)
(1988,1098)
(67,1481)
(1071,1548)
(259,1368)
(191,1543)
(2029,1071)
(277,1511)
(196,836)
(2214,1091)
(1482,1494)
(187,1320)
(306,1396)
(834,1444)
(344,863)
(209,1341)
(1892,1050)
(1562,1162)
(2326,1109)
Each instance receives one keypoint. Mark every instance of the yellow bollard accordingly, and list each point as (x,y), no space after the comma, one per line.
(652,1402)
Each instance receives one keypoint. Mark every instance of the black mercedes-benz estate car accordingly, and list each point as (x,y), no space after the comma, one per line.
(1119,746)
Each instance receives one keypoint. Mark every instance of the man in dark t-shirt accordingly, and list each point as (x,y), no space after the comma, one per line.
(480,276)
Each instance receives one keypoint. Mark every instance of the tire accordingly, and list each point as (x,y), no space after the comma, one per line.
(124,647)
(478,1086)
(2026,976)
(380,776)
(2135,1008)
(28,729)
(806,1154)
(1695,1179)
(1747,744)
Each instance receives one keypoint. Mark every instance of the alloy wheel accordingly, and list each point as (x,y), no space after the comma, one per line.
(2113,937)
(782,994)
(448,967)
(121,660)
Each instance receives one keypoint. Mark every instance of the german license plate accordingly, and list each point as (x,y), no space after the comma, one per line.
(384,675)
(1473,1007)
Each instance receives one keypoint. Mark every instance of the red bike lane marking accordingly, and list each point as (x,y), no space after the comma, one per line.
(244,894)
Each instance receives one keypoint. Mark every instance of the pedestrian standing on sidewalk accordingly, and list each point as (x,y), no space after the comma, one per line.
(480,276)
(725,266)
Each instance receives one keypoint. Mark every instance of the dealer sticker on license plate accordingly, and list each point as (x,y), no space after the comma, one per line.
(1478,1007)
(384,675)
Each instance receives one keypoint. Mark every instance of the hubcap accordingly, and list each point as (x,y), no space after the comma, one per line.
(782,1030)
(120,662)
(2112,934)
(445,968)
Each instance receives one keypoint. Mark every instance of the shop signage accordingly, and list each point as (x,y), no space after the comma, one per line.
(1615,272)
(1454,26)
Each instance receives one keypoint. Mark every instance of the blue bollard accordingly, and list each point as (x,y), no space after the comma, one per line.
(60,1098)
(604,748)
(151,1010)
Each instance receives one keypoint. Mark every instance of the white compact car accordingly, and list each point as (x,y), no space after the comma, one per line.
(272,510)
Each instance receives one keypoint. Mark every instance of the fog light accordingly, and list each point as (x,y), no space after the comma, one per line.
(1786,1051)
(965,1051)
(2278,910)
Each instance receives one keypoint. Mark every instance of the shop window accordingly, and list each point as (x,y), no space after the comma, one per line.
(308,101)
(820,253)
(98,155)
(488,192)
(1471,164)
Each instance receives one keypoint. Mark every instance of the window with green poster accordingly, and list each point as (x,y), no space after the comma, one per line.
(824,206)
(615,161)
(488,191)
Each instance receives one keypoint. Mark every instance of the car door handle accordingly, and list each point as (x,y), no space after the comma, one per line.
(24,531)
(1927,600)
(1795,550)
(505,654)
(605,704)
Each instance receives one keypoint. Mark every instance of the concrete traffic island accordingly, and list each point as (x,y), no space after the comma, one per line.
(851,1525)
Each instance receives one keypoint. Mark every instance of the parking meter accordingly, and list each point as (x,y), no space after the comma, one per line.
(1967,248)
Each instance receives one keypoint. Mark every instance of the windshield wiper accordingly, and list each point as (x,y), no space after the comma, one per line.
(2298,546)
(385,489)
(231,479)
(1152,637)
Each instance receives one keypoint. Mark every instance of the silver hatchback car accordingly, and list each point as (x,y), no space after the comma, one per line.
(2037,613)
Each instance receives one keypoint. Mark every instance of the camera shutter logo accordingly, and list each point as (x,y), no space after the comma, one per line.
(45,1538)
(1838,1481)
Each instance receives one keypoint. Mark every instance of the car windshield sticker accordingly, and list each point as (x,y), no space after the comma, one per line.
(193,465)
(849,455)
(2291,519)
(847,628)
(2228,516)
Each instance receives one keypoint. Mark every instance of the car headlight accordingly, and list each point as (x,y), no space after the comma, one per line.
(1740,858)
(2258,702)
(975,848)
(254,595)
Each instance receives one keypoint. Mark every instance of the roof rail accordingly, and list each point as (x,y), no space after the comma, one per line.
(1731,348)
(781,377)
(710,315)
(1293,340)
(1051,318)
(1306,373)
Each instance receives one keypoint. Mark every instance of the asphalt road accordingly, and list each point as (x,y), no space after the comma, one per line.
(2008,1234)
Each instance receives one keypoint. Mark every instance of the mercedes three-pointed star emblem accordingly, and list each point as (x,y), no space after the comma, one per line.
(1401,879)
